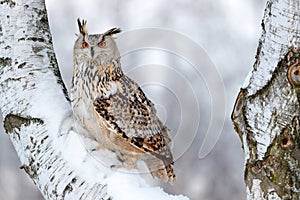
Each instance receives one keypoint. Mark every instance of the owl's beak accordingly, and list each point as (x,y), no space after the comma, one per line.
(92,52)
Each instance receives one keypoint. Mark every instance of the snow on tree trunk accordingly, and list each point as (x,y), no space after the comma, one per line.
(266,112)
(38,117)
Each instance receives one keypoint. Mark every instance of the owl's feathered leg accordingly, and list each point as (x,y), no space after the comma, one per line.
(128,161)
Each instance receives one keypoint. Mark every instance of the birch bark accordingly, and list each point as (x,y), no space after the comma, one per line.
(266,112)
(38,117)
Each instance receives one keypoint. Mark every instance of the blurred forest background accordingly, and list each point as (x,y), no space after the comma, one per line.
(228,30)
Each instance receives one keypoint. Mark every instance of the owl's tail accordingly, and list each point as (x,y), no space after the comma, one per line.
(161,170)
(167,174)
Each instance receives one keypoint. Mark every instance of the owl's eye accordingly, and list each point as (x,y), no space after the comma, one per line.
(84,44)
(102,44)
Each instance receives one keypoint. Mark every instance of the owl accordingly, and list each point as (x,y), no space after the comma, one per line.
(113,109)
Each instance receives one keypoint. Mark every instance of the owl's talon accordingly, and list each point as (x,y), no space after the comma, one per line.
(115,167)
(112,166)
(97,148)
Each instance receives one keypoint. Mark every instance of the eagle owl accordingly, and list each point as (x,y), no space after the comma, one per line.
(113,109)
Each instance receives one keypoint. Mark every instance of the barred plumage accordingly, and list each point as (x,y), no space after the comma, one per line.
(113,108)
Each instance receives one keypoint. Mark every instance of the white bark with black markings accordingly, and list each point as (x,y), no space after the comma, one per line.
(266,113)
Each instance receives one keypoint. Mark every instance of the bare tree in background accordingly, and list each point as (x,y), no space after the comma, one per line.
(266,112)
(37,113)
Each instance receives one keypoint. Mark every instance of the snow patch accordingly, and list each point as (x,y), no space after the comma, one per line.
(255,192)
(122,186)
(51,106)
(263,140)
(246,148)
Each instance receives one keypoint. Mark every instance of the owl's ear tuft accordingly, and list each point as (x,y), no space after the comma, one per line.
(112,31)
(82,27)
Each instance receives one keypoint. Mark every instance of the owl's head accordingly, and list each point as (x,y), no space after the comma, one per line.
(101,47)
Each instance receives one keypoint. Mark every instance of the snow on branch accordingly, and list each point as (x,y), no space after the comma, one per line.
(38,116)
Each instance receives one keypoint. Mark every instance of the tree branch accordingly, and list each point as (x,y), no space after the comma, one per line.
(38,116)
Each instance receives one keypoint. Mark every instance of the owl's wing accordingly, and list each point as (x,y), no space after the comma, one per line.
(132,116)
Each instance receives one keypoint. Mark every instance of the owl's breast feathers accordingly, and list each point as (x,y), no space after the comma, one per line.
(132,116)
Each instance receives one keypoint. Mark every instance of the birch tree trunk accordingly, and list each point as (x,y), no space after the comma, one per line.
(266,112)
(38,117)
